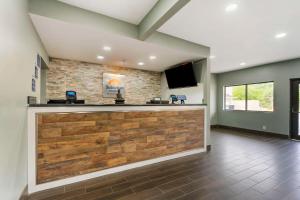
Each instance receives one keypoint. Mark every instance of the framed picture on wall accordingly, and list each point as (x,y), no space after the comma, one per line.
(33,85)
(112,83)
(38,61)
(36,72)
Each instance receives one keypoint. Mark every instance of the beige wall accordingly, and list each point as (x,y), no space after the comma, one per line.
(19,46)
(86,79)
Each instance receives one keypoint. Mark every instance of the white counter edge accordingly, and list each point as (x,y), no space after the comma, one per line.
(112,108)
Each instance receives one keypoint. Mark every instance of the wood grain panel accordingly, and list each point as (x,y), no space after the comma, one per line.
(71,144)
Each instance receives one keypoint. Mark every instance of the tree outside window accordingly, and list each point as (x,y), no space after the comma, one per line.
(251,97)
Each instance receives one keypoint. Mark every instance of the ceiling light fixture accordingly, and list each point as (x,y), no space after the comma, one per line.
(100,57)
(212,57)
(107,48)
(242,63)
(231,7)
(280,35)
(152,57)
(141,63)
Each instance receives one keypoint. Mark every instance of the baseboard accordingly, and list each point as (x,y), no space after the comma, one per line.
(264,133)
(24,195)
(214,126)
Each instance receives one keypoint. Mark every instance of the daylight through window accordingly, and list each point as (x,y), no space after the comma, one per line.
(251,97)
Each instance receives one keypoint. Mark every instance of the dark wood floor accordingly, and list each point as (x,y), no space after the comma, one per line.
(241,166)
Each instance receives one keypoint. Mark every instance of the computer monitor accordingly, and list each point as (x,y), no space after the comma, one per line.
(71,96)
(181,97)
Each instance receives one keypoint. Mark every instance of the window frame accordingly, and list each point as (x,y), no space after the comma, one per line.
(246,97)
(224,97)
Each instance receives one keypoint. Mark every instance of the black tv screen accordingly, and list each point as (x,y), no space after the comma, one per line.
(181,76)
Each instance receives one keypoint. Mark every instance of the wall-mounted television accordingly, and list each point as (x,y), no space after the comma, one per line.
(181,76)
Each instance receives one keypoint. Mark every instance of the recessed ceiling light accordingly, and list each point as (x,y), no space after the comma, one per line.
(280,35)
(231,7)
(212,57)
(152,57)
(107,48)
(100,57)
(141,63)
(242,63)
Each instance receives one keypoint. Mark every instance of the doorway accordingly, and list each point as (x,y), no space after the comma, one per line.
(294,109)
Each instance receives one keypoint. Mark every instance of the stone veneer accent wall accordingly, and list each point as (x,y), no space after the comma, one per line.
(86,79)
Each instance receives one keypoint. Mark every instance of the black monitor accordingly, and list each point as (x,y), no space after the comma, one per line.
(181,76)
(71,96)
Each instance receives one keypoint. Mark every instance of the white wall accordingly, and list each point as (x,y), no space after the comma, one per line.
(19,45)
(194,95)
(213,100)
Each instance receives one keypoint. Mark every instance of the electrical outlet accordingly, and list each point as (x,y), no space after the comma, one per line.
(264,127)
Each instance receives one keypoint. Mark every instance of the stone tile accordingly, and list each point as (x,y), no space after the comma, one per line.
(87,80)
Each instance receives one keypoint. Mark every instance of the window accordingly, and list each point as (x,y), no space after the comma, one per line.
(235,97)
(260,97)
(250,97)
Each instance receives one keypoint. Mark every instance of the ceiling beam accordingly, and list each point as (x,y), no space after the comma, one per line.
(74,15)
(158,15)
(162,39)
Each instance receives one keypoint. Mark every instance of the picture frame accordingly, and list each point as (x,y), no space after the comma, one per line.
(36,72)
(33,85)
(38,61)
(112,83)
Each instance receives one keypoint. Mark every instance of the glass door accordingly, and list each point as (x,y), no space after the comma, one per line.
(295,109)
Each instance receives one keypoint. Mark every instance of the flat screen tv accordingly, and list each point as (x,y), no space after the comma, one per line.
(181,76)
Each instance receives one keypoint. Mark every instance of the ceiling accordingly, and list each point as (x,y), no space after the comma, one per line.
(244,35)
(132,11)
(77,42)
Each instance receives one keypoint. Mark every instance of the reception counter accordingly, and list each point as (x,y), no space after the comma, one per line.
(71,143)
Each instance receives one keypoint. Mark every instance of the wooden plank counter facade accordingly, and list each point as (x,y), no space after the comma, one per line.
(71,144)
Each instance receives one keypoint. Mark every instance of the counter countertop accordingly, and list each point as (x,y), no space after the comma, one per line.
(87,105)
